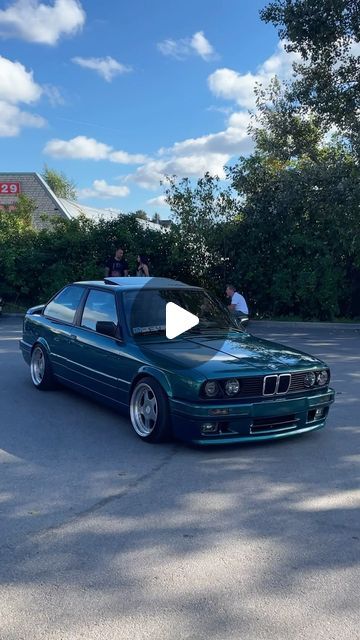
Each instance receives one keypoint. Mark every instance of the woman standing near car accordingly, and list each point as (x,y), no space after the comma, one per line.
(142,266)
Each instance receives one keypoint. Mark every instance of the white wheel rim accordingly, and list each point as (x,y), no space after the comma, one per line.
(143,410)
(37,366)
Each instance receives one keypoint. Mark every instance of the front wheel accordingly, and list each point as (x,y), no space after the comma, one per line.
(149,411)
(40,368)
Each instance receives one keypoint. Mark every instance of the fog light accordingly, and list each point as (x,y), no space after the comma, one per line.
(318,414)
(209,427)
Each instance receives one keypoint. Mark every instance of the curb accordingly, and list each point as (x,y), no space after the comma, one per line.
(12,315)
(308,325)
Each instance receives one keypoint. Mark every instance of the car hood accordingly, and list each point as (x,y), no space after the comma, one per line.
(233,354)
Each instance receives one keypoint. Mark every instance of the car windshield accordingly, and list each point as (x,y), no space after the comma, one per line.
(146,311)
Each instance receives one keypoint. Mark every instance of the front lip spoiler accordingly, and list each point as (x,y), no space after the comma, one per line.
(206,442)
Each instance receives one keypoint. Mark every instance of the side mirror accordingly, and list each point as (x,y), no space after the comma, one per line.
(107,328)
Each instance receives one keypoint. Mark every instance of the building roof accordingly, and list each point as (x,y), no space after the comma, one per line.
(75,210)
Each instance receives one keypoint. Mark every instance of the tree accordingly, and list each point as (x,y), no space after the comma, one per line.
(199,212)
(156,218)
(280,131)
(62,186)
(140,213)
(326,35)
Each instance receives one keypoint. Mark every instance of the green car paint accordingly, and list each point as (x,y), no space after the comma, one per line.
(109,367)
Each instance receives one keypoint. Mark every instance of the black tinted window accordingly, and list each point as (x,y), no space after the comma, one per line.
(100,307)
(63,306)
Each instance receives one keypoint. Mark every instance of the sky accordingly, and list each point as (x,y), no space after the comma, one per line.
(118,94)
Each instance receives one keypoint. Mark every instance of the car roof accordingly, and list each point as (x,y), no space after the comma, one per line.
(133,283)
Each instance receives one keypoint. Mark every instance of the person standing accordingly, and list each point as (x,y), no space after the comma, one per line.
(238,303)
(117,266)
(142,269)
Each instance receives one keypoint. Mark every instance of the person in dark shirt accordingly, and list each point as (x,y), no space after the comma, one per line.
(117,266)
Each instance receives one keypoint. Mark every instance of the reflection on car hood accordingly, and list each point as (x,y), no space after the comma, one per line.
(228,355)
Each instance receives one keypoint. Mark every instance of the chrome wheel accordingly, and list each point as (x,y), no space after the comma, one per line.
(143,409)
(37,366)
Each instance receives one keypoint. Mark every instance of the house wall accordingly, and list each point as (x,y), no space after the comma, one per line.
(33,186)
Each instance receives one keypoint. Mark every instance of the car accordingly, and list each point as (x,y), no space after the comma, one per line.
(213,384)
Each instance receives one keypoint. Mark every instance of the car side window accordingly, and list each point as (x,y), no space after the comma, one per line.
(100,306)
(63,307)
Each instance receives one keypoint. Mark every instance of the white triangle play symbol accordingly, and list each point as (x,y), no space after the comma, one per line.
(178,320)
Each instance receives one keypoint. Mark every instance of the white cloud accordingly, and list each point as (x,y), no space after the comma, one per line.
(34,21)
(12,120)
(193,156)
(185,47)
(150,174)
(159,201)
(231,85)
(53,94)
(122,157)
(83,148)
(107,67)
(202,46)
(17,85)
(79,148)
(101,189)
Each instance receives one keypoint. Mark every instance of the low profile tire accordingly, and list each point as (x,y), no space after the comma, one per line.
(149,411)
(40,369)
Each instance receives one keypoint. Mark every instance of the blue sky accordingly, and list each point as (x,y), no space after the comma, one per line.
(116,94)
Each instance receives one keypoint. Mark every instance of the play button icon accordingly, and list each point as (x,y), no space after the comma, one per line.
(178,320)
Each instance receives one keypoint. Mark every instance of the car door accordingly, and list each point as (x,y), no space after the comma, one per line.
(58,318)
(100,359)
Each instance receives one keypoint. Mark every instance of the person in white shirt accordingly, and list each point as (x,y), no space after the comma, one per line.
(238,303)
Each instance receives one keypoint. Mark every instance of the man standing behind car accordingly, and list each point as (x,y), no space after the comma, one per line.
(117,266)
(238,303)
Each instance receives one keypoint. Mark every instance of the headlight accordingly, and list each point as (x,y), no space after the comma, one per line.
(211,388)
(232,387)
(322,377)
(310,379)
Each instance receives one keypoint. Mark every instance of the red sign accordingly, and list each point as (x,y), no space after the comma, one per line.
(9,188)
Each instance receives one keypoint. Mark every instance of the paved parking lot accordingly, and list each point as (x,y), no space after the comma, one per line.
(104,537)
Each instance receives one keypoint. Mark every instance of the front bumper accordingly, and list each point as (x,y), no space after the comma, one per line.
(250,422)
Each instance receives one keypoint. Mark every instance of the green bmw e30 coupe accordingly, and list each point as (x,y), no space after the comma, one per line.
(213,384)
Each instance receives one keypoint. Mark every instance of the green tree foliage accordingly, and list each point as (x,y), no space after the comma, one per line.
(300,221)
(62,186)
(201,214)
(35,264)
(326,34)
(140,213)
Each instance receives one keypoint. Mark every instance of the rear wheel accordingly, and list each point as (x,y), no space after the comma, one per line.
(149,411)
(40,369)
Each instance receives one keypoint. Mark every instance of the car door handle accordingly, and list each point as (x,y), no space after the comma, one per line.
(73,338)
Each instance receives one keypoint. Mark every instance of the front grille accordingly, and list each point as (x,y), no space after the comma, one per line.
(297,381)
(265,386)
(278,423)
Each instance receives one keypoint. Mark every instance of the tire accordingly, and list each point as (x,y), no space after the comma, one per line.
(149,411)
(40,369)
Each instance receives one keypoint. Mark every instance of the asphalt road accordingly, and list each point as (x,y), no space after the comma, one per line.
(103,537)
